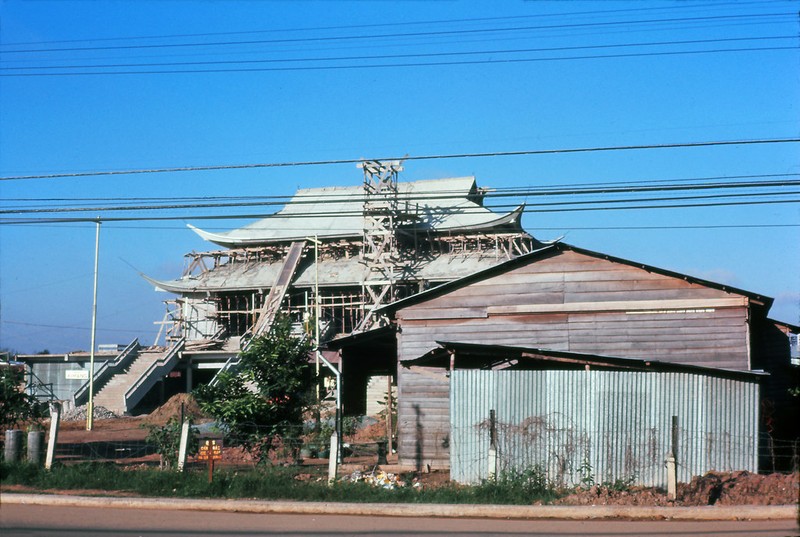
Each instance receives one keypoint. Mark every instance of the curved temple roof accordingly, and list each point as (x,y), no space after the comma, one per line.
(439,205)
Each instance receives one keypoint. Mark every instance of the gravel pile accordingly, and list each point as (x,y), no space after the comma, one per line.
(79,413)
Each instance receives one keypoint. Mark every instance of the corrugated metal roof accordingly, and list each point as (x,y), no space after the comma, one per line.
(494,353)
(336,212)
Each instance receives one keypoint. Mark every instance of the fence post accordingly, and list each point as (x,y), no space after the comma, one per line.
(184,445)
(55,422)
(672,473)
(492,446)
(35,443)
(333,458)
(13,446)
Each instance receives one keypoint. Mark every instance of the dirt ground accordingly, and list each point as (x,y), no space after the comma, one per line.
(736,488)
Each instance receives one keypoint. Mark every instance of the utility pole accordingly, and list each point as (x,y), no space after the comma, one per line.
(90,406)
(317,310)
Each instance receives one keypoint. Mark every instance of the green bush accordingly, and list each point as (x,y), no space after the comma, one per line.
(167,439)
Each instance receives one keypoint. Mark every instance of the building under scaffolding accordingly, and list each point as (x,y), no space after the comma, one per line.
(351,249)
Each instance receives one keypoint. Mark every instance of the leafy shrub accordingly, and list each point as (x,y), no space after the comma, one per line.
(167,440)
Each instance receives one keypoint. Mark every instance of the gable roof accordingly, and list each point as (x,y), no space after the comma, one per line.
(547,251)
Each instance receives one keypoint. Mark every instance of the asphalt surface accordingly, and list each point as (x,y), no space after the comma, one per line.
(18,520)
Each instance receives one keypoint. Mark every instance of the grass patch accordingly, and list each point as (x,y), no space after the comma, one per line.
(270,483)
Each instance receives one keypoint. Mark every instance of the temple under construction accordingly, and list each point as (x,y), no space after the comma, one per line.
(343,250)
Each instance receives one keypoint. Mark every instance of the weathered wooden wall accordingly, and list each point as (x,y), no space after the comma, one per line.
(573,302)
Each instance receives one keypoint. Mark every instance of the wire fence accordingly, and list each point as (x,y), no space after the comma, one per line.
(572,456)
(568,457)
(130,441)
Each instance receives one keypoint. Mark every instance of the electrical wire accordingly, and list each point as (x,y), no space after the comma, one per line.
(430,196)
(9,221)
(367,37)
(490,192)
(403,56)
(396,24)
(396,65)
(406,158)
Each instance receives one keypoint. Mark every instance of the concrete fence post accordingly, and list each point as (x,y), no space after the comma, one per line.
(52,440)
(13,446)
(184,445)
(671,463)
(333,459)
(35,447)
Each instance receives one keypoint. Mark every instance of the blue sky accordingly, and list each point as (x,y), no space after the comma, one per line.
(656,94)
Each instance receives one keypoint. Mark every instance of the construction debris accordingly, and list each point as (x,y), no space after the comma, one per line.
(80,413)
(380,479)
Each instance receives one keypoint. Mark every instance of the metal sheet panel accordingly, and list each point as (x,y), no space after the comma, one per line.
(584,427)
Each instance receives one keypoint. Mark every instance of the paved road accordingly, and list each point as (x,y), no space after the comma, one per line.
(46,521)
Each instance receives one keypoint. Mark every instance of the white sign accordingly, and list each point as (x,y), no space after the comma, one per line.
(77,374)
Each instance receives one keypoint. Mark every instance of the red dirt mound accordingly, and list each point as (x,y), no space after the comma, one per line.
(172,409)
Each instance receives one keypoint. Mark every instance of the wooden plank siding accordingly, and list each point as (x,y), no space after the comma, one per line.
(423,414)
(571,302)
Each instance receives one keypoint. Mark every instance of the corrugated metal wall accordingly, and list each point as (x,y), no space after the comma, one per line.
(53,375)
(601,425)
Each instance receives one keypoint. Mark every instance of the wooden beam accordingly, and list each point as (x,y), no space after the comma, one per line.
(638,306)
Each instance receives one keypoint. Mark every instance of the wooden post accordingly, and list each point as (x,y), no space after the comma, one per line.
(492,445)
(675,436)
(389,424)
(210,469)
(55,421)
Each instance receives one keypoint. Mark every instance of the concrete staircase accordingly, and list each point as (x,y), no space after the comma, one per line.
(120,393)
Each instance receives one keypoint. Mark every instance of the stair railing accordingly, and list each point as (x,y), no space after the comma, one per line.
(155,372)
(106,371)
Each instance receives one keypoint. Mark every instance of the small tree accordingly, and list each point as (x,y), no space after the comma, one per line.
(16,406)
(167,439)
(263,398)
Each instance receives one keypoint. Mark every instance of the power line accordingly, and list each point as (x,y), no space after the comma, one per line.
(391,24)
(31,221)
(406,158)
(401,56)
(535,228)
(406,34)
(36,325)
(396,65)
(433,196)
(297,196)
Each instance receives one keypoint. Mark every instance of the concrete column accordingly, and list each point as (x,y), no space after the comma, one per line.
(189,374)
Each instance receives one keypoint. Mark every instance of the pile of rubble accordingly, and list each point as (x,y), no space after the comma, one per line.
(80,413)
(380,479)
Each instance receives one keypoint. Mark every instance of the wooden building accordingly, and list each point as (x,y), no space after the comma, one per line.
(565,298)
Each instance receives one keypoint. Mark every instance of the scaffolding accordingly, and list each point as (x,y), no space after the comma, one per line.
(382,218)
